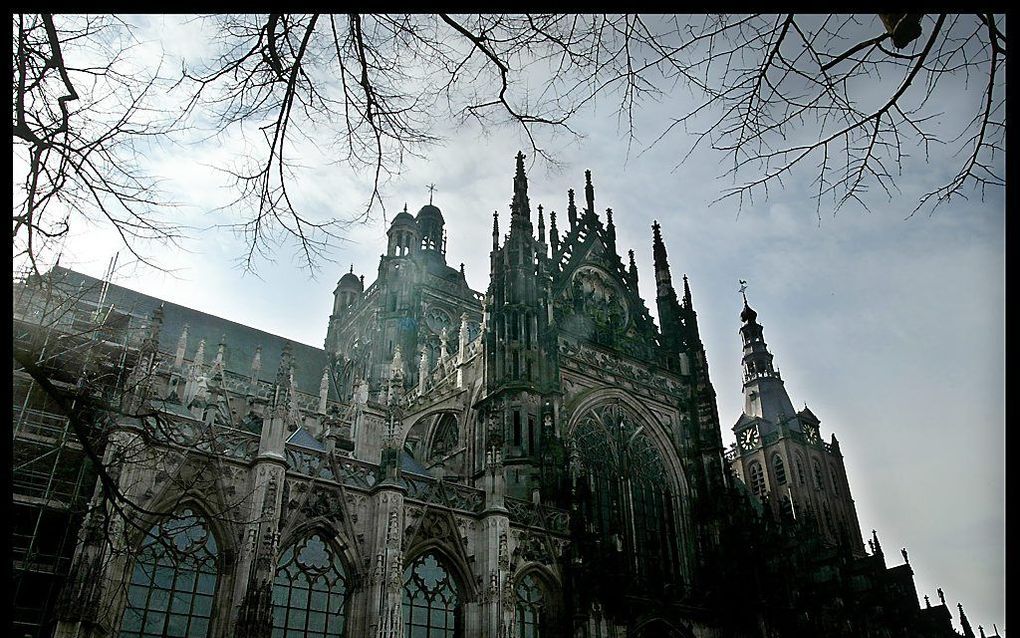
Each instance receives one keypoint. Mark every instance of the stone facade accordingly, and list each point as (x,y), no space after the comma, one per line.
(537,460)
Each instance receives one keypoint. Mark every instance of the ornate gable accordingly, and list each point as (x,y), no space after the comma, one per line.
(595,297)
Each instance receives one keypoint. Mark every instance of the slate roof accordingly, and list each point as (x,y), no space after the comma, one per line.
(241,341)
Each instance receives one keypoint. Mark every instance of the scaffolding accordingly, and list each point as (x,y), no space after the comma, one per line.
(70,332)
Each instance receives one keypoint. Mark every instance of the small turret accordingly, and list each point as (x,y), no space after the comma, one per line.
(403,234)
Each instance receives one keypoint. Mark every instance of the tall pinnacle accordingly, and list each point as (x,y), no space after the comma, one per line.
(520,207)
(571,208)
(964,623)
(495,230)
(589,193)
(663,280)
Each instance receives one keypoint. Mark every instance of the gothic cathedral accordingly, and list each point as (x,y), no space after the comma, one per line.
(537,460)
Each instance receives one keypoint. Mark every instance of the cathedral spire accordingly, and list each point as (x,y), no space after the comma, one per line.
(541,225)
(764,393)
(687,294)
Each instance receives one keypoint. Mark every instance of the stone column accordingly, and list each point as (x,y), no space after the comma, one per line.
(496,613)
(256,564)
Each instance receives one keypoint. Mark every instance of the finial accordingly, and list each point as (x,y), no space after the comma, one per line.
(687,293)
(903,550)
(405,207)
(571,208)
(633,266)
(352,269)
(432,189)
(942,596)
(462,270)
(981,630)
(495,229)
(927,601)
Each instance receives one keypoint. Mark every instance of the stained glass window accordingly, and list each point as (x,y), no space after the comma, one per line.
(309,592)
(530,607)
(780,469)
(173,580)
(431,605)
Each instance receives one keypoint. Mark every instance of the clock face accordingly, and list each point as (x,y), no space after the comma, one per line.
(811,433)
(748,438)
(437,319)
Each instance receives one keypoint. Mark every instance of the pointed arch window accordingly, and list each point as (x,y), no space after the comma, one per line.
(431,604)
(531,608)
(627,498)
(835,482)
(309,591)
(801,477)
(757,478)
(173,580)
(779,468)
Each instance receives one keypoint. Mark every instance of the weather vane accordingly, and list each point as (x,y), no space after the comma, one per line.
(432,189)
(743,287)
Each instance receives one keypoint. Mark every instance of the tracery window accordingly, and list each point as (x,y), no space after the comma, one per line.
(173,580)
(309,591)
(627,496)
(431,605)
(835,482)
(800,470)
(780,469)
(531,605)
(757,478)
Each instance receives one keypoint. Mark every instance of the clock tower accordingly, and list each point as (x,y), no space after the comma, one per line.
(780,454)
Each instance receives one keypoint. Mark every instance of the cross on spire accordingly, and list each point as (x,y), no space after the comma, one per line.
(432,189)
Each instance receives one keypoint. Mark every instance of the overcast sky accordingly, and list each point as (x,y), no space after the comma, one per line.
(889,327)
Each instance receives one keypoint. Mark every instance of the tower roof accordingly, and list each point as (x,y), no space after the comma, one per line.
(428,210)
(403,218)
(748,315)
(350,281)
